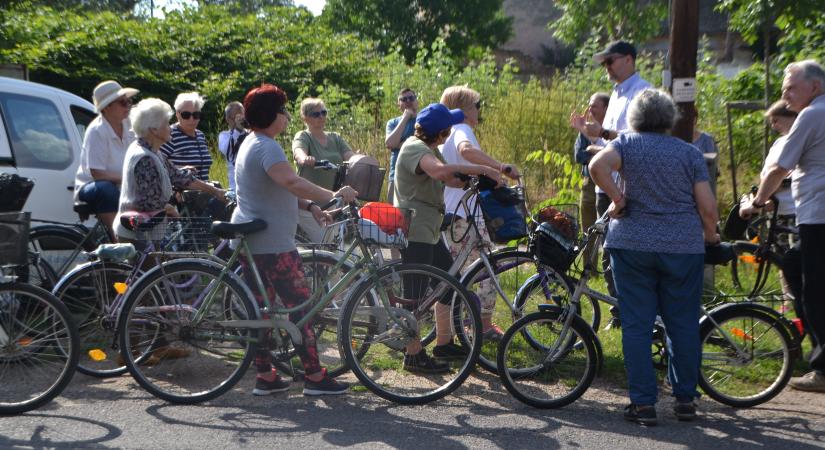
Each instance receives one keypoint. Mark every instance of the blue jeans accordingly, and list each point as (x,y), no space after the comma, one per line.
(671,285)
(102,196)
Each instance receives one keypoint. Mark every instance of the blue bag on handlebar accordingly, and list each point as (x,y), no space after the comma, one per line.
(504,213)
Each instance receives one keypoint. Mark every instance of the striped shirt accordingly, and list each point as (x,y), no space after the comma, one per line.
(184,150)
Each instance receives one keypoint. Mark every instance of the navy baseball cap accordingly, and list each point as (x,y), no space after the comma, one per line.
(436,117)
(615,48)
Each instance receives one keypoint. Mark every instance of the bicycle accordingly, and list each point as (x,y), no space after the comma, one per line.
(38,340)
(388,308)
(94,291)
(548,359)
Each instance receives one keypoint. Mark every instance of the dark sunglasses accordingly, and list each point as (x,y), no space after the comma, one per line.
(609,61)
(408,98)
(317,114)
(282,110)
(125,102)
(186,115)
(478,104)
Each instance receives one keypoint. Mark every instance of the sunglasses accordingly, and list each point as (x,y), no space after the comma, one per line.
(609,61)
(282,110)
(478,104)
(186,115)
(124,102)
(317,114)
(408,98)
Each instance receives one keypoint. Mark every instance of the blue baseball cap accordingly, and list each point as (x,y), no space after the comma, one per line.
(436,117)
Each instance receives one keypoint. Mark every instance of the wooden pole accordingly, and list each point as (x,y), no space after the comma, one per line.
(684,43)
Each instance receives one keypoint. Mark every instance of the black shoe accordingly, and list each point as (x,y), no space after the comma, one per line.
(263,387)
(641,414)
(327,386)
(421,362)
(613,324)
(450,351)
(685,411)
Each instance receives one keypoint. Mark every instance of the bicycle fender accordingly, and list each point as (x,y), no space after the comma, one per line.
(779,318)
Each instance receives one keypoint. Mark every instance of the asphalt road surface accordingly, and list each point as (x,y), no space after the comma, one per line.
(117,413)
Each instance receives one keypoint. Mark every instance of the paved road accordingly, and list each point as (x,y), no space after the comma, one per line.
(116,413)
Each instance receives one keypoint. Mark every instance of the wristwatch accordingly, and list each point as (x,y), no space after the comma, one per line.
(310,204)
(605,133)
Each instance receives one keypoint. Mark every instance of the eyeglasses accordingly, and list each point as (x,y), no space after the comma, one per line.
(124,102)
(478,104)
(282,110)
(317,114)
(607,62)
(186,115)
(408,98)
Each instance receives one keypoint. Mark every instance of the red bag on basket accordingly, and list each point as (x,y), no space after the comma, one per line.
(388,217)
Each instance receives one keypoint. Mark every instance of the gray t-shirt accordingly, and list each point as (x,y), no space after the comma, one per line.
(805,150)
(259,197)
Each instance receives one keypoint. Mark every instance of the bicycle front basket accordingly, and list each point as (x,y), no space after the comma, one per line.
(14,238)
(552,248)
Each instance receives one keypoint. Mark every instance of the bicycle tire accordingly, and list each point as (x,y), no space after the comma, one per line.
(512,268)
(537,378)
(89,292)
(39,355)
(156,318)
(62,246)
(761,372)
(551,288)
(381,343)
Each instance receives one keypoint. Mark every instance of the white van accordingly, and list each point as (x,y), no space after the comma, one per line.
(41,134)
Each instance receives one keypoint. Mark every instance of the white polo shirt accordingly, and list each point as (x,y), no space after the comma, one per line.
(615,118)
(102,150)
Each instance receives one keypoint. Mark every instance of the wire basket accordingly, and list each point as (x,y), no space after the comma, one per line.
(384,225)
(14,238)
(567,214)
(189,235)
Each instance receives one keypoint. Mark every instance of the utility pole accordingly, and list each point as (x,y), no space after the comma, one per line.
(684,43)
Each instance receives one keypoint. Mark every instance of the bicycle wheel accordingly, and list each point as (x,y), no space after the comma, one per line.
(374,344)
(38,347)
(173,356)
(747,270)
(511,268)
(746,356)
(90,294)
(553,373)
(63,247)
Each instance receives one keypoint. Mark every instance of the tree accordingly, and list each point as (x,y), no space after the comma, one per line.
(630,20)
(246,6)
(91,5)
(411,26)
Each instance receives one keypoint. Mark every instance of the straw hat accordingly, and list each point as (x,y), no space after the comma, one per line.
(109,91)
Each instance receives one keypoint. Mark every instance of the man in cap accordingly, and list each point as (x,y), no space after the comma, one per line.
(804,89)
(107,138)
(619,59)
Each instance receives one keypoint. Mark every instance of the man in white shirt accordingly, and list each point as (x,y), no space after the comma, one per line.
(619,59)
(104,147)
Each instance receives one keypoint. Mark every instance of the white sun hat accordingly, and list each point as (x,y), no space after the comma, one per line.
(108,91)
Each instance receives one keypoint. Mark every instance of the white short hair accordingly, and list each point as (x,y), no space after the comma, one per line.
(187,97)
(149,113)
(652,110)
(810,69)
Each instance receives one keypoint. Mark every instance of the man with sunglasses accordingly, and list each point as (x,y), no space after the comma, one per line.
(107,138)
(188,148)
(399,129)
(619,60)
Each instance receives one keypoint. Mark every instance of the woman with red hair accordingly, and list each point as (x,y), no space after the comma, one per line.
(269,189)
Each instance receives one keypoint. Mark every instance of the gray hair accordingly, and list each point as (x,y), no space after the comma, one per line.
(149,113)
(187,97)
(231,106)
(810,69)
(652,110)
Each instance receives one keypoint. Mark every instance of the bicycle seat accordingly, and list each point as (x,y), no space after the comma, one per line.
(228,230)
(83,210)
(719,254)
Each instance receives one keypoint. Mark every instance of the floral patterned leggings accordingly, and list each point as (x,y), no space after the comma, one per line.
(283,274)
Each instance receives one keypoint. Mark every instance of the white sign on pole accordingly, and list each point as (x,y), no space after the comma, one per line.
(684,90)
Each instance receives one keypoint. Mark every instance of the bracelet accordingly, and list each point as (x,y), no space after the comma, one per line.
(310,205)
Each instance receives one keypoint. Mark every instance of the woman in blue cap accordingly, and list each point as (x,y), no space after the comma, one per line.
(420,176)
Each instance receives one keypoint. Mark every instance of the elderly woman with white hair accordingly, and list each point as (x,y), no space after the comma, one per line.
(148,176)
(660,222)
(187,146)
